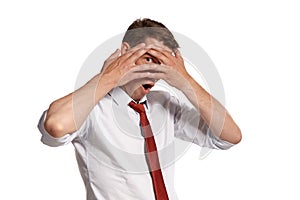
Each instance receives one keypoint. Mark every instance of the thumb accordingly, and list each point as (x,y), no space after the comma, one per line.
(114,54)
(110,59)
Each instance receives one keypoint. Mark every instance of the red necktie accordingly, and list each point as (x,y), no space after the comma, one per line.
(151,152)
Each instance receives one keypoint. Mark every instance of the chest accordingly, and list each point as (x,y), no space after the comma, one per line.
(120,127)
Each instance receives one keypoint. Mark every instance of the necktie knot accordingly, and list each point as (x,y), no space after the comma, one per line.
(137,107)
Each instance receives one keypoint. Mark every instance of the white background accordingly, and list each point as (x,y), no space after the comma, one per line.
(255,46)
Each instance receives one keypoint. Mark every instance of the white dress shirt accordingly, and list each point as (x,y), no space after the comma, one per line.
(110,147)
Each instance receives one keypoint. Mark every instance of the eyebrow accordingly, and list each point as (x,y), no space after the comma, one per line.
(148,54)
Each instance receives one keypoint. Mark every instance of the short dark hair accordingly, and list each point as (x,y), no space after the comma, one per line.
(141,29)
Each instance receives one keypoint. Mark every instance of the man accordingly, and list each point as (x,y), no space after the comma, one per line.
(120,156)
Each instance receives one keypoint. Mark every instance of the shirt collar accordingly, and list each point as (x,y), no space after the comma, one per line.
(120,97)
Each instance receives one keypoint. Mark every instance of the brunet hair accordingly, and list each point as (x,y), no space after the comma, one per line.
(141,29)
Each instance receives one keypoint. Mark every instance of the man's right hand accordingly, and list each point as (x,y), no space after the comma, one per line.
(65,115)
(117,69)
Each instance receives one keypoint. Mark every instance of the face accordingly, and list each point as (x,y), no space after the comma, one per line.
(138,89)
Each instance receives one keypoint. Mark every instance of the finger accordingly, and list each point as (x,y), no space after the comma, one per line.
(160,55)
(159,48)
(163,49)
(114,55)
(136,55)
(129,53)
(130,76)
(142,75)
(110,59)
(178,54)
(136,47)
(148,68)
(155,76)
(143,70)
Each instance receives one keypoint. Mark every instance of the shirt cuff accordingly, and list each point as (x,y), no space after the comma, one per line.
(50,140)
(218,143)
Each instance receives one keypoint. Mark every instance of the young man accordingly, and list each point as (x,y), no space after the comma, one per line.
(123,132)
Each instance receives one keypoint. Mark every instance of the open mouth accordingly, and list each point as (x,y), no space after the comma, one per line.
(147,86)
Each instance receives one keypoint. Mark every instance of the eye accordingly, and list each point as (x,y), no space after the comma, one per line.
(148,59)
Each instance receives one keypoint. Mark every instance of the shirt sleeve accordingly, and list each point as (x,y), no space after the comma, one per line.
(49,140)
(190,126)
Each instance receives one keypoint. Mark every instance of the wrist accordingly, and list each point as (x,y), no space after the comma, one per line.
(184,81)
(103,84)
(106,81)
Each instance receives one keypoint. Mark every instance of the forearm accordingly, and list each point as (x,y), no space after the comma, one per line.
(68,113)
(212,111)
